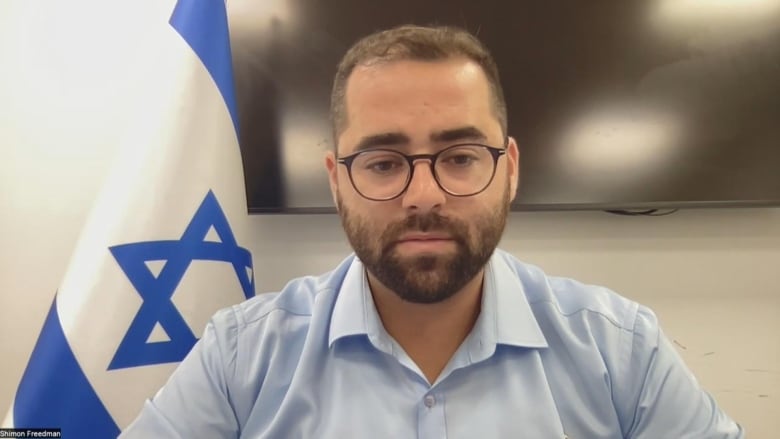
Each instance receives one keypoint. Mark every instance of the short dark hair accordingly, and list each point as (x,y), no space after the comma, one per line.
(419,43)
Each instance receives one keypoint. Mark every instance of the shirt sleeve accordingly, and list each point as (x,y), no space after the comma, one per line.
(666,400)
(195,401)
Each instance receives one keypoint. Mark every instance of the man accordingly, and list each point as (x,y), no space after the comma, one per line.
(429,331)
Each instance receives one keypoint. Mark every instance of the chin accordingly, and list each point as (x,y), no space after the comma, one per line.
(426,262)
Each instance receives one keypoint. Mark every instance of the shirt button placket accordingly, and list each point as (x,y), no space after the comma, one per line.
(430,415)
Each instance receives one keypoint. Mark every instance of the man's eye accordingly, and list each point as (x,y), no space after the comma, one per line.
(460,160)
(384,166)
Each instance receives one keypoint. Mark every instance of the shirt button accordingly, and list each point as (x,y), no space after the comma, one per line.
(429,401)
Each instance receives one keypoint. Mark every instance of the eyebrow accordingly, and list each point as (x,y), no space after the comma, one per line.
(459,134)
(384,139)
(390,139)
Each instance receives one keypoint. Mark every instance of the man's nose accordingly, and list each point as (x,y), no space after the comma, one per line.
(423,193)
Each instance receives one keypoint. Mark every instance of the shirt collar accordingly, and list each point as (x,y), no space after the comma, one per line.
(506,317)
(355,312)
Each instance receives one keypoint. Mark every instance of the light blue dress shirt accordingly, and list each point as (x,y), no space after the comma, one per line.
(547,358)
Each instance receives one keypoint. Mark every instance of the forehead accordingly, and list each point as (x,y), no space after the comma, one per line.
(416,99)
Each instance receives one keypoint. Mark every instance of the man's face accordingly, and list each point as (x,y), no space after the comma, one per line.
(424,245)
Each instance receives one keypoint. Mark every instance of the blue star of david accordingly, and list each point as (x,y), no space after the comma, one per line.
(156,291)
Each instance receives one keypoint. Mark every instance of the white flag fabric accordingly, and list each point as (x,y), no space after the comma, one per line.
(163,248)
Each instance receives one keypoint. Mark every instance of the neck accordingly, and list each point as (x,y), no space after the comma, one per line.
(429,333)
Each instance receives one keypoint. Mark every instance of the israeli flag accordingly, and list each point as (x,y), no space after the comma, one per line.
(163,248)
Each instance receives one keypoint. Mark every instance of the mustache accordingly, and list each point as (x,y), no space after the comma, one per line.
(429,222)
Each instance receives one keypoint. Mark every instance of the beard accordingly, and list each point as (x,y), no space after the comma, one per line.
(427,277)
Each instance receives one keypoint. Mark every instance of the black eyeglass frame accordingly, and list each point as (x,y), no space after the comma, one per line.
(494,152)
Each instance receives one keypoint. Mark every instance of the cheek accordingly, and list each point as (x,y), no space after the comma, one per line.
(371,214)
(498,191)
(346,192)
(480,205)
(481,210)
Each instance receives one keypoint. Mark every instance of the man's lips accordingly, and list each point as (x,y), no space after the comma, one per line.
(424,242)
(421,237)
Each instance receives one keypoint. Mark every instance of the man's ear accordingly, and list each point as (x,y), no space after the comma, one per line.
(513,165)
(331,165)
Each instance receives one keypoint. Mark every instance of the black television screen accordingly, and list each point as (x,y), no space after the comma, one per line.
(615,104)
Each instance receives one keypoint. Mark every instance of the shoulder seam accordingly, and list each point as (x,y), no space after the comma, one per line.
(610,319)
(244,322)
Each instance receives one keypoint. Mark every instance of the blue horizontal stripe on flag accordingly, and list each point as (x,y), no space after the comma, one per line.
(54,391)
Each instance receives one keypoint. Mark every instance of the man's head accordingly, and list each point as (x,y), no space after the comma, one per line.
(414,43)
(423,230)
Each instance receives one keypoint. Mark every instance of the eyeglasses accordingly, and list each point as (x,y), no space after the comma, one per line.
(460,170)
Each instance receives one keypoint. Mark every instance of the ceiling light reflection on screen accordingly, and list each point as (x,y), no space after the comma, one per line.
(677,13)
(257,16)
(620,141)
(302,150)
